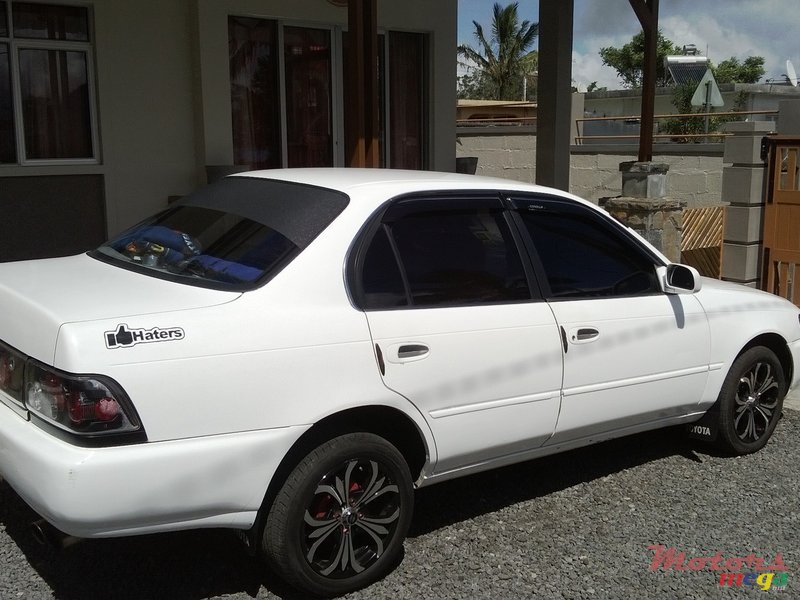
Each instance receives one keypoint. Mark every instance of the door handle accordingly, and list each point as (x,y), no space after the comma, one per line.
(407,351)
(583,335)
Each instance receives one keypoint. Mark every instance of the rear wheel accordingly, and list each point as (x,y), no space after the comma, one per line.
(339,521)
(750,401)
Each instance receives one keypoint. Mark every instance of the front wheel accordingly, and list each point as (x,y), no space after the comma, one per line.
(750,401)
(339,521)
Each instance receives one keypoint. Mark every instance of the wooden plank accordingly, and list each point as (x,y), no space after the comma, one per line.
(702,227)
(701,243)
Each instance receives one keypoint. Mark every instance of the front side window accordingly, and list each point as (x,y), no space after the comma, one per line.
(443,258)
(234,234)
(585,257)
(46,54)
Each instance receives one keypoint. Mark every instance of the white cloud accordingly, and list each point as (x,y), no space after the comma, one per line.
(728,27)
(587,66)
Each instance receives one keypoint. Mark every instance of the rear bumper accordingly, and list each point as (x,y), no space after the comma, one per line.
(211,481)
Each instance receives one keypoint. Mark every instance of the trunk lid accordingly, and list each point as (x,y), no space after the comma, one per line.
(37,297)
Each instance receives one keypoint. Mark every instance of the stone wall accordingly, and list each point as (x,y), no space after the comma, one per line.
(694,176)
(658,220)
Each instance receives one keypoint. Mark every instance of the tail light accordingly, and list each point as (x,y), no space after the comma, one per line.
(87,405)
(12,369)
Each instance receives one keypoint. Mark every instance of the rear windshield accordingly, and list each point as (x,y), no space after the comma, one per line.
(234,234)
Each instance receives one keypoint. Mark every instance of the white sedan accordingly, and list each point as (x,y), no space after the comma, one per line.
(290,353)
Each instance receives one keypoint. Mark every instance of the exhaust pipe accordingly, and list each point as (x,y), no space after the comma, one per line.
(47,535)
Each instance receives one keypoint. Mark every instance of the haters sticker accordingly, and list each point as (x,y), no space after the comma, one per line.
(125,337)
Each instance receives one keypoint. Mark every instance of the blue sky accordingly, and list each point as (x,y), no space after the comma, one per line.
(740,28)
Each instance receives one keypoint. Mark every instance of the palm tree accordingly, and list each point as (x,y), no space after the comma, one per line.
(500,60)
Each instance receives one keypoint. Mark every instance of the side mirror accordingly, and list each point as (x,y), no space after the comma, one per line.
(679,279)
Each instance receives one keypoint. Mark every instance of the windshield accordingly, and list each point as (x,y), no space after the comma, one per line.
(234,234)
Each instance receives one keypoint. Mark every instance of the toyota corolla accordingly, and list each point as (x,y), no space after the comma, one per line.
(291,353)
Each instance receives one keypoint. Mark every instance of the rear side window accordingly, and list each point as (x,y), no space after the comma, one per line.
(584,257)
(437,258)
(234,234)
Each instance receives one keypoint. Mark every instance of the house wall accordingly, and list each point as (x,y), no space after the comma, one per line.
(144,90)
(163,100)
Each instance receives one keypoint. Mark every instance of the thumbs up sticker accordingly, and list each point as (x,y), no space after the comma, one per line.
(125,337)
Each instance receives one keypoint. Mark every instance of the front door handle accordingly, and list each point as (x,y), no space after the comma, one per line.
(412,351)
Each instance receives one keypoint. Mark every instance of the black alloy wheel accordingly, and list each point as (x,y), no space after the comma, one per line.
(751,401)
(339,521)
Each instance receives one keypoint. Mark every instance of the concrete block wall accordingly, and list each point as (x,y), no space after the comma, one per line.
(695,179)
(510,156)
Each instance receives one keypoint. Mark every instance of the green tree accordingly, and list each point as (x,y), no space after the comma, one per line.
(629,60)
(733,71)
(501,60)
(472,85)
(680,127)
(593,87)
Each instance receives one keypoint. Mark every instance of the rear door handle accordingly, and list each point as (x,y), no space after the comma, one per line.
(407,352)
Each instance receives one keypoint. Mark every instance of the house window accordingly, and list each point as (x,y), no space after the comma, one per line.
(407,93)
(287,105)
(46,107)
(308,81)
(255,100)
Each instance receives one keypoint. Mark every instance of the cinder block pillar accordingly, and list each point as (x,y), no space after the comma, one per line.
(743,189)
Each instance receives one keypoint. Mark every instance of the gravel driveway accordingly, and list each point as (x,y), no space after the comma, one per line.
(576,525)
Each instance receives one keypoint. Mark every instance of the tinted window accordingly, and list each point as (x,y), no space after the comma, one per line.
(584,257)
(382,283)
(459,257)
(232,234)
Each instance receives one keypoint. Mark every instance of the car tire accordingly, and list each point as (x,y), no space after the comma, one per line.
(339,521)
(750,401)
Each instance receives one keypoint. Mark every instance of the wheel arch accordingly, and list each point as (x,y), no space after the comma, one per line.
(779,346)
(387,422)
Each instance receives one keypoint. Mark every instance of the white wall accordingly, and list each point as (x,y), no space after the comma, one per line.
(145,87)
